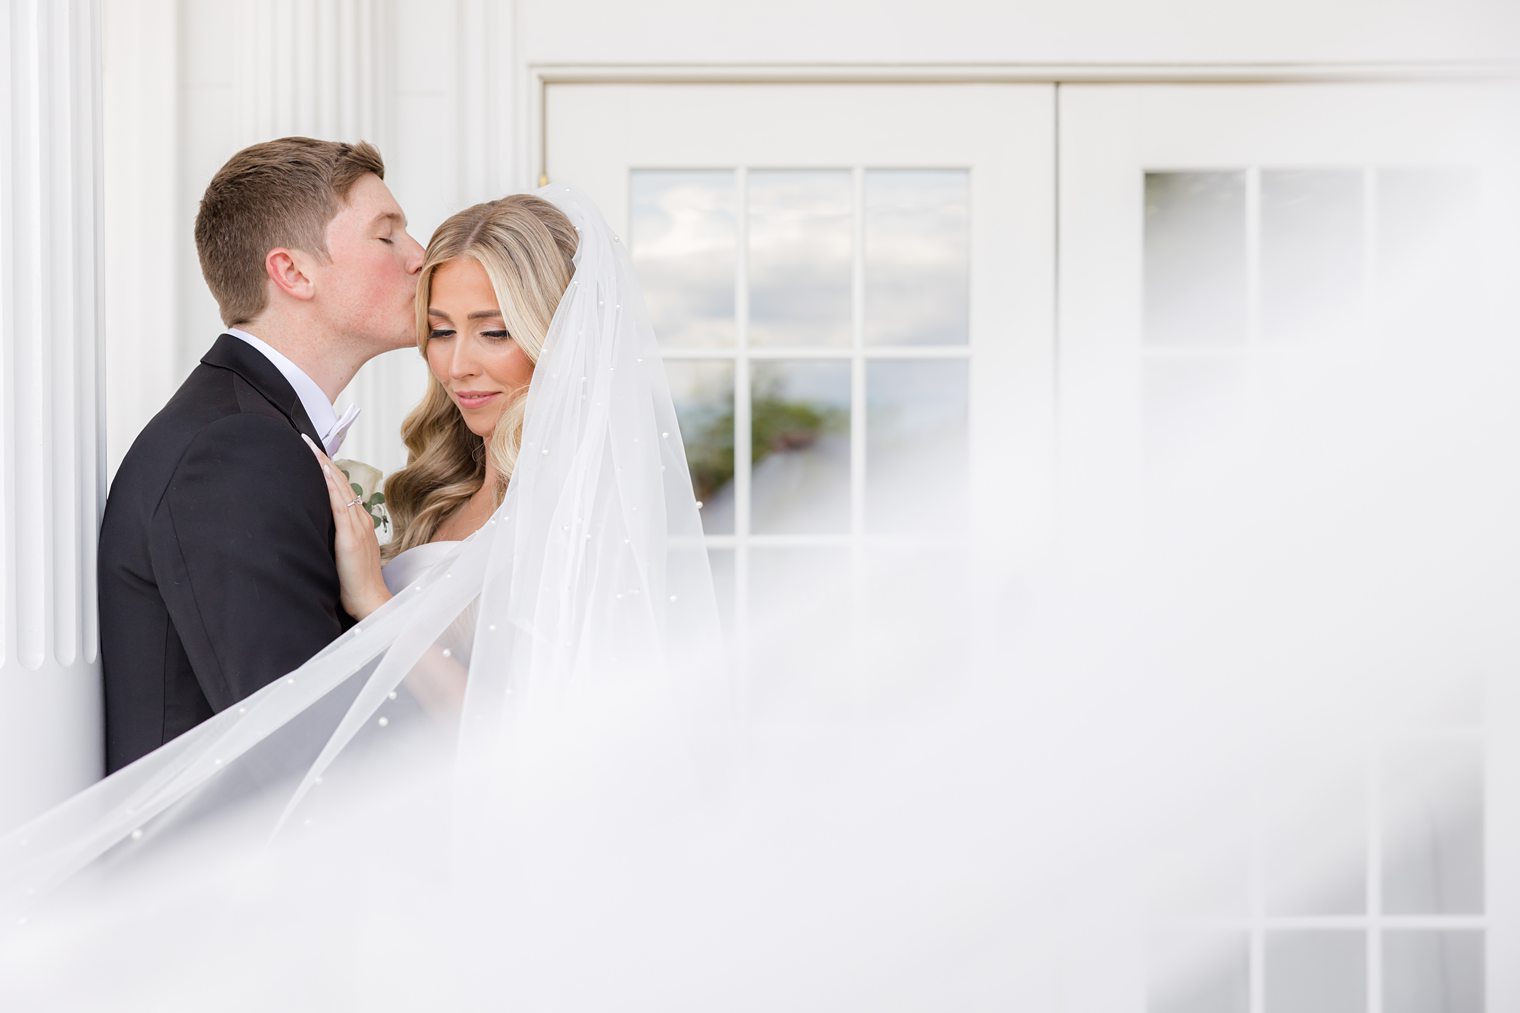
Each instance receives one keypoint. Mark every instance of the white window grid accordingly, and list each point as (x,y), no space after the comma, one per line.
(1361,335)
(1374,922)
(858,353)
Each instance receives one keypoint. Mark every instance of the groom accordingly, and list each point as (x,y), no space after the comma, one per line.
(216,552)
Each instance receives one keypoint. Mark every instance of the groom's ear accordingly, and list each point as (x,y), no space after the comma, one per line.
(286,268)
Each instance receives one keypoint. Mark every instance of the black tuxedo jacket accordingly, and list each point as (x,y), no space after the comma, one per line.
(217,573)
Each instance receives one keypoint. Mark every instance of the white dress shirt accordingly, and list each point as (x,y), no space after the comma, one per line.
(324,417)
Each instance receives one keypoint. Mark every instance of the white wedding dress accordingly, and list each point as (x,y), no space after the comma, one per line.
(404,570)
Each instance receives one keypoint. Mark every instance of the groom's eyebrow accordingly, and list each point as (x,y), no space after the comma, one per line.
(395,216)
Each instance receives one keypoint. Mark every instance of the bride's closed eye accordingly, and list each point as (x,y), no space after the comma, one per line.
(439,332)
(496,335)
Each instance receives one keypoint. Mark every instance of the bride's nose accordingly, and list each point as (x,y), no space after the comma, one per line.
(462,363)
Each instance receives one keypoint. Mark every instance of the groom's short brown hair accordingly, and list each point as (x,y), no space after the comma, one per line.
(277,193)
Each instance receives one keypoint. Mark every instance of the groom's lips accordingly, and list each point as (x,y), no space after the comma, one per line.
(474,398)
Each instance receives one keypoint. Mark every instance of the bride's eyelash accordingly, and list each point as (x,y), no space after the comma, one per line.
(438,332)
(498,335)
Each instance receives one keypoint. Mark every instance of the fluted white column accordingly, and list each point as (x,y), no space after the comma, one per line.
(313,67)
(52,468)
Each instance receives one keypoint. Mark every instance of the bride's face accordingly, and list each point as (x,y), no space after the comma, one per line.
(469,350)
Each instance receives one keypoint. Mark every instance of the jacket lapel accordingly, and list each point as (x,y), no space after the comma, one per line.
(232,353)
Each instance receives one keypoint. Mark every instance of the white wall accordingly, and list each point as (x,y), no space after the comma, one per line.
(1017,31)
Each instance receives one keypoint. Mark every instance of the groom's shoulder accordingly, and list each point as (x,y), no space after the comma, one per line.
(214,410)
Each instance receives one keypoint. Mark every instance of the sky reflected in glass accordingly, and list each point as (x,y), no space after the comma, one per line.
(684,238)
(800,237)
(917,257)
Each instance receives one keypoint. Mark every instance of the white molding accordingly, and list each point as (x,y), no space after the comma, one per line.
(538,77)
(486,99)
(51,476)
(1036,73)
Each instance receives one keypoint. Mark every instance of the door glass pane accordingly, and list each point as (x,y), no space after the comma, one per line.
(722,563)
(1315,972)
(1427,217)
(1189,399)
(1208,849)
(1195,258)
(803,576)
(799,598)
(800,239)
(916,413)
(1432,972)
(1433,828)
(684,241)
(1311,253)
(1428,247)
(800,442)
(917,257)
(1315,850)
(703,392)
(1199,974)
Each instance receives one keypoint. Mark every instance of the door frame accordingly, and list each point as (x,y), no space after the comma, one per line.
(530,128)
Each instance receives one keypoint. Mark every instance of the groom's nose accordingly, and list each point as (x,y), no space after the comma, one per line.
(414,255)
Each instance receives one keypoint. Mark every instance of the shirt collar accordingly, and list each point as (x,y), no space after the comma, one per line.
(320,410)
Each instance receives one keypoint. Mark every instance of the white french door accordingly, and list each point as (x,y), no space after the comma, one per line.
(1215,235)
(853,288)
(849,278)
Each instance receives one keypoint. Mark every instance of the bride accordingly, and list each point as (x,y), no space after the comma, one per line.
(547,557)
(465,437)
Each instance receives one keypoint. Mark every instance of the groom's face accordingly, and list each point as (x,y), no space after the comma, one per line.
(366,287)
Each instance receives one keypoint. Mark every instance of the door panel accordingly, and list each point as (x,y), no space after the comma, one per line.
(853,285)
(1214,238)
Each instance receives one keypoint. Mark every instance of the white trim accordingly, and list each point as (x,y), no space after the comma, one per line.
(486,99)
(842,353)
(858,377)
(1333,923)
(1253,257)
(532,132)
(1019,73)
(743,432)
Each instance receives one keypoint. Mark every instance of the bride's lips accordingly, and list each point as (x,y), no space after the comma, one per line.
(475,398)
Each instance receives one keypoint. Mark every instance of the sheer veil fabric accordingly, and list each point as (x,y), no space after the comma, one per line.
(587,591)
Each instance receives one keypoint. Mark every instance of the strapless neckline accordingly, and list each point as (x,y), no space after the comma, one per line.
(414,562)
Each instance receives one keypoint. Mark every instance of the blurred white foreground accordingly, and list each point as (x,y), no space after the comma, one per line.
(1000,782)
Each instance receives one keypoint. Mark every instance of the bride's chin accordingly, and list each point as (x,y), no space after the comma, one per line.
(479,426)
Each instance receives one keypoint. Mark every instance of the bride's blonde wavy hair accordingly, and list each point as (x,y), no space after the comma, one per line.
(526,246)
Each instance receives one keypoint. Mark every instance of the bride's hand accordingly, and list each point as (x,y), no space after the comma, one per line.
(357,548)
